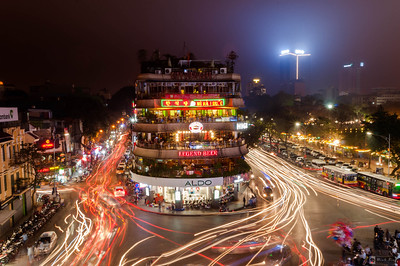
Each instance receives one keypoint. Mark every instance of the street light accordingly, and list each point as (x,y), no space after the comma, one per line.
(387,139)
(296,53)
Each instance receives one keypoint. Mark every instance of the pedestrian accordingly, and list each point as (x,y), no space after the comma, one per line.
(387,234)
(244,202)
(24,237)
(368,250)
(30,254)
(376,230)
(159,205)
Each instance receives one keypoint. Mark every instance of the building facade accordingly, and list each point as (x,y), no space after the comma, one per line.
(187,138)
(15,196)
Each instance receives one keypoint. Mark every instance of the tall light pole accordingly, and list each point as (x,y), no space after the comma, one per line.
(388,141)
(297,53)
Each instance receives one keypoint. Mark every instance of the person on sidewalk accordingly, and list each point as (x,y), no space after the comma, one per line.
(30,254)
(244,202)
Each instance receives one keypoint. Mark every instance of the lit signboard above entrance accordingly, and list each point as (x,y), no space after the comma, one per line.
(198,153)
(192,103)
(196,127)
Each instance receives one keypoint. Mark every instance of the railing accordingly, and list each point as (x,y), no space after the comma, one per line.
(166,120)
(184,173)
(191,145)
(159,95)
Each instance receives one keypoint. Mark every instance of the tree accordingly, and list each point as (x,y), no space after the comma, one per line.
(142,55)
(31,157)
(381,124)
(232,57)
(253,133)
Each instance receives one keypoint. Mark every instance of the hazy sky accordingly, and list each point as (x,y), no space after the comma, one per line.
(94,43)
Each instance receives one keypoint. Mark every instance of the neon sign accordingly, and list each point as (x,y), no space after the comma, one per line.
(48,144)
(196,127)
(198,153)
(192,103)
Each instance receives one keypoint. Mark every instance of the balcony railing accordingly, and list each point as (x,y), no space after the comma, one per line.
(166,120)
(192,145)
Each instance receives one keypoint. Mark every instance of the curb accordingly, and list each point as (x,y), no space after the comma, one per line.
(175,213)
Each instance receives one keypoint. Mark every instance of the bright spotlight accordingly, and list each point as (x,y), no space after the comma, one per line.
(283,52)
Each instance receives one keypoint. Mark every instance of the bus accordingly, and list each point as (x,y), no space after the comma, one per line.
(379,184)
(341,176)
(317,164)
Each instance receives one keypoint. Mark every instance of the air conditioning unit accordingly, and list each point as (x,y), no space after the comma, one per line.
(215,71)
(168,70)
(223,70)
(158,71)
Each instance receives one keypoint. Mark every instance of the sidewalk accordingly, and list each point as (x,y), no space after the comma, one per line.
(235,207)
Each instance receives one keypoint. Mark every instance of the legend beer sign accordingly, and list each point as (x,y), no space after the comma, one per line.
(192,103)
(198,153)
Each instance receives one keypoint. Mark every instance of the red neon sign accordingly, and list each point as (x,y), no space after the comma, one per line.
(193,103)
(48,144)
(198,153)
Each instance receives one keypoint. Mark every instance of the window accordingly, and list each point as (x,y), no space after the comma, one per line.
(12,184)
(0,186)
(4,153)
(9,152)
(5,182)
(13,150)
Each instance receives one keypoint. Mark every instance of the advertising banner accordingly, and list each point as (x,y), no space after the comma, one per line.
(8,114)
(178,182)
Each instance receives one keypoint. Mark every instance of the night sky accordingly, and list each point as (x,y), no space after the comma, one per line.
(95,43)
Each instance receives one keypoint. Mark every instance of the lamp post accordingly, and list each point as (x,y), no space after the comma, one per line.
(297,53)
(387,139)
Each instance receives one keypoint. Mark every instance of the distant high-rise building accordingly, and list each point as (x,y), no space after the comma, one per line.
(350,79)
(287,73)
(291,80)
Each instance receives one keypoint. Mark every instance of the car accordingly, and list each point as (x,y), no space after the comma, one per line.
(248,246)
(299,159)
(119,192)
(271,255)
(121,168)
(46,243)
(279,255)
(267,193)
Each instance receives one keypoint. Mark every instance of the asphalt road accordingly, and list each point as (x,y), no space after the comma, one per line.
(304,207)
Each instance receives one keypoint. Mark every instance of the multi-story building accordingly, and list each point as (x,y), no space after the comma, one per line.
(15,195)
(350,79)
(188,136)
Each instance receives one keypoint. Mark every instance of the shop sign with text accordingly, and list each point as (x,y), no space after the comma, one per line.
(198,183)
(198,153)
(8,114)
(192,103)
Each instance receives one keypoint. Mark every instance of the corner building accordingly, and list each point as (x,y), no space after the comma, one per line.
(188,142)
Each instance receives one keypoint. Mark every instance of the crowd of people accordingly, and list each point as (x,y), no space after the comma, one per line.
(385,245)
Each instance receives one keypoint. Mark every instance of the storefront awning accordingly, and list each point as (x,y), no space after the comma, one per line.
(5,215)
(178,182)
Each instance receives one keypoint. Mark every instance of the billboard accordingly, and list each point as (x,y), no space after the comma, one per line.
(8,114)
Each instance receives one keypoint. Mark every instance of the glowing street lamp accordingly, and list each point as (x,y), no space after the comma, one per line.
(297,53)
(388,141)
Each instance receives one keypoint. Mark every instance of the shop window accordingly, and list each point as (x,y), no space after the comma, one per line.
(12,184)
(5,182)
